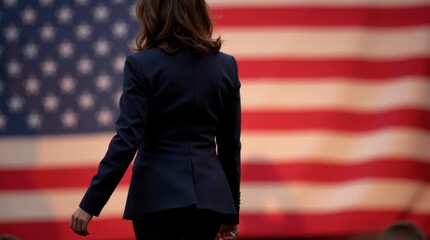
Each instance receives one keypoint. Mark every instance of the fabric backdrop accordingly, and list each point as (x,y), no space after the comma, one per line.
(336,112)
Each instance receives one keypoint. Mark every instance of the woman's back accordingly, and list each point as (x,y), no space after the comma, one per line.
(187,95)
(191,101)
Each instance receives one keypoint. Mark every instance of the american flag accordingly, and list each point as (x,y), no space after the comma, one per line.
(335,99)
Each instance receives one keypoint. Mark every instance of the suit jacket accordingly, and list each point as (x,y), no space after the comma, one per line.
(180,121)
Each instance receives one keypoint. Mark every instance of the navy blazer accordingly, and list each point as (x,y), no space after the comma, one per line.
(180,120)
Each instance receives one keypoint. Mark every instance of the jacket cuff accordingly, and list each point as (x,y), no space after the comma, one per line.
(93,202)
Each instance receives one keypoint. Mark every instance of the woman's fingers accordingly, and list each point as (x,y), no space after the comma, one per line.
(79,222)
(228,232)
(232,235)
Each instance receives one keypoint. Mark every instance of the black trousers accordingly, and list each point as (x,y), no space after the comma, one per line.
(187,223)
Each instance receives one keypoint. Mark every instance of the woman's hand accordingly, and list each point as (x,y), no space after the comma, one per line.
(79,222)
(228,232)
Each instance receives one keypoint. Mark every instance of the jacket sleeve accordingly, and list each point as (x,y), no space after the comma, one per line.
(229,144)
(129,129)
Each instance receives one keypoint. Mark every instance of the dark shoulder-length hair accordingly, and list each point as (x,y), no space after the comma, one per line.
(186,21)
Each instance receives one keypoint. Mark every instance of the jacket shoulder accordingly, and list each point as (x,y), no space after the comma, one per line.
(226,56)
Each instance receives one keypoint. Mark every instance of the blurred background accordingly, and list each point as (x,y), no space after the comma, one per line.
(336,113)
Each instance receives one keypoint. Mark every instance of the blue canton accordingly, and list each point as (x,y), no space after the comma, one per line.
(61,64)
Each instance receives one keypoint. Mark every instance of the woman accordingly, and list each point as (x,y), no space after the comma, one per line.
(180,119)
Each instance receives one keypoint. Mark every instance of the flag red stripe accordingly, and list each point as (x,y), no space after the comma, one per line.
(288,224)
(300,170)
(336,120)
(50,178)
(317,16)
(114,229)
(322,69)
(252,225)
(320,172)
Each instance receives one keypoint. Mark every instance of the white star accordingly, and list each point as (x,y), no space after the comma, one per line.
(46,3)
(69,119)
(101,13)
(103,82)
(34,120)
(16,103)
(10,3)
(81,2)
(102,47)
(28,15)
(50,102)
(11,33)
(104,117)
(84,66)
(30,50)
(49,68)
(118,63)
(3,122)
(32,85)
(119,29)
(66,49)
(67,84)
(83,31)
(64,14)
(13,68)
(86,101)
(47,32)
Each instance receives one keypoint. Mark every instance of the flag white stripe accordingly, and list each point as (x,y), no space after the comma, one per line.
(368,194)
(257,147)
(292,197)
(335,147)
(335,94)
(81,150)
(39,205)
(322,42)
(317,3)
